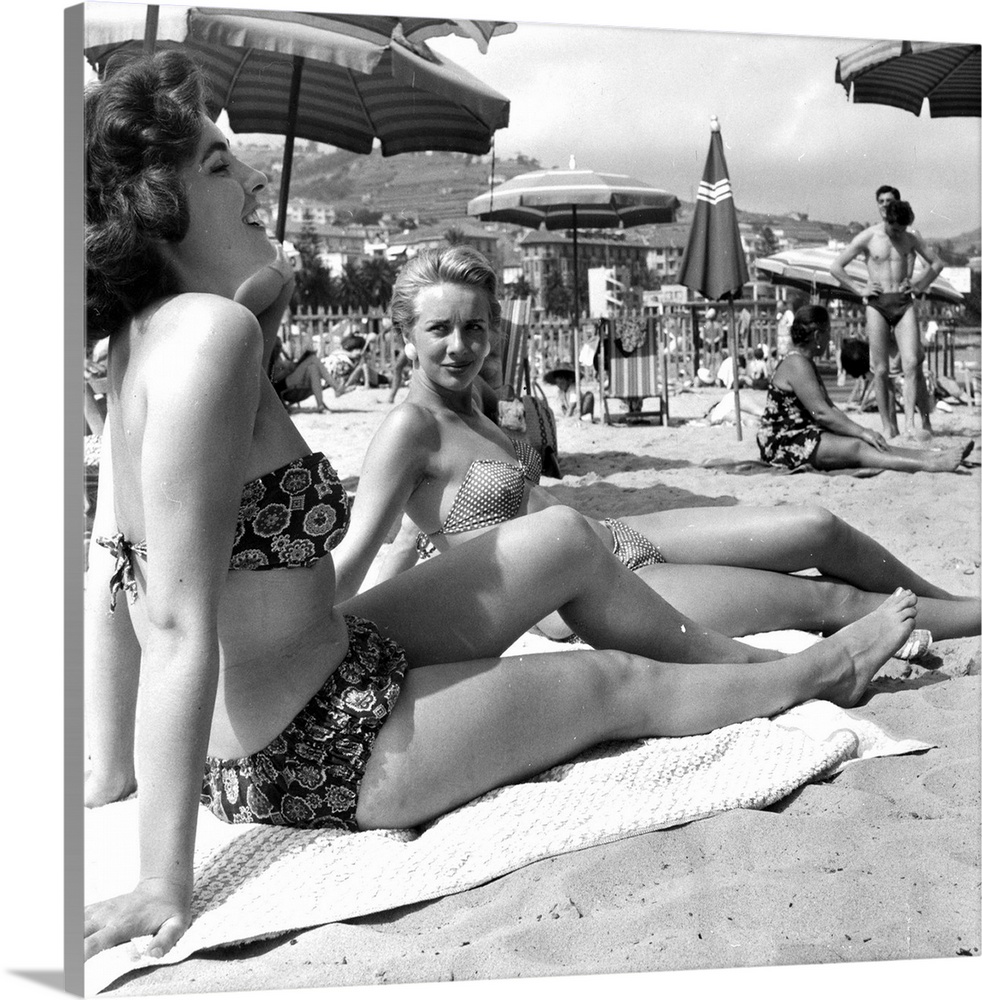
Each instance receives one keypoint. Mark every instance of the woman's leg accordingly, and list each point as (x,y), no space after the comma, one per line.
(737,601)
(479,597)
(460,729)
(785,539)
(837,452)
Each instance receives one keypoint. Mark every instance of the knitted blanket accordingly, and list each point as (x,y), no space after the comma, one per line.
(254,881)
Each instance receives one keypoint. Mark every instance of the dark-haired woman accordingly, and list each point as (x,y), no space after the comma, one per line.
(802,426)
(258,694)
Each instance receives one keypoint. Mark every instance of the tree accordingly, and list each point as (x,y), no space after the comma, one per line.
(352,291)
(308,242)
(378,275)
(454,236)
(556,294)
(520,289)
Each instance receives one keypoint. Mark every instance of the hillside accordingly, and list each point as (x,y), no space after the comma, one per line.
(435,187)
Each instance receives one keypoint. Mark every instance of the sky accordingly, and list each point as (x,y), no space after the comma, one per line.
(638,100)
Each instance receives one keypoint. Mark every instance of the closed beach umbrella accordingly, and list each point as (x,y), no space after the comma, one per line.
(287,74)
(714,263)
(809,269)
(902,74)
(574,199)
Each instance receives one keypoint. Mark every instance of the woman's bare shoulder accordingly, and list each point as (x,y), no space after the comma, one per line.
(201,319)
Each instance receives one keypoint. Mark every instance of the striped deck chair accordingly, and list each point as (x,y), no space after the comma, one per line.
(635,373)
(513,345)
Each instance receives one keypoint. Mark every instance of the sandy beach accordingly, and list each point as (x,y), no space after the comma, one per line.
(881,862)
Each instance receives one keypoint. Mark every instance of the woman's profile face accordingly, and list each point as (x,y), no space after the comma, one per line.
(226,241)
(451,334)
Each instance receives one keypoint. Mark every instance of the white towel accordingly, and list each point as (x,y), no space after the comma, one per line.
(254,881)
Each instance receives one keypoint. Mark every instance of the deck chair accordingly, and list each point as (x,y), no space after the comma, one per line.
(513,345)
(519,394)
(632,358)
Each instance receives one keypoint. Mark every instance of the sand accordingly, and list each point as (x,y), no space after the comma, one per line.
(882,862)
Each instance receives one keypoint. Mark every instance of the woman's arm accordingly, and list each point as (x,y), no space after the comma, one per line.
(394,465)
(111,661)
(801,376)
(202,392)
(266,294)
(402,554)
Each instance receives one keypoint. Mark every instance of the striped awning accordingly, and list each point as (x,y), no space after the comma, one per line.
(903,74)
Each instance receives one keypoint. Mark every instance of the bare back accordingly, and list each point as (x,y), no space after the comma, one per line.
(179,375)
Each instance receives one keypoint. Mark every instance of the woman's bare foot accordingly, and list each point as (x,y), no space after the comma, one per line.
(860,649)
(948,460)
(101,789)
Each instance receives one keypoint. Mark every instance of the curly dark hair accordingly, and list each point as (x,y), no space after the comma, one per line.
(456,265)
(808,320)
(899,213)
(142,125)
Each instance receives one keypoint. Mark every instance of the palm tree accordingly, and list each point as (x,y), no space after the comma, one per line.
(352,291)
(378,276)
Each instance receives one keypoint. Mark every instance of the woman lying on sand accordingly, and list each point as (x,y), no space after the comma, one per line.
(455,473)
(260,694)
(802,426)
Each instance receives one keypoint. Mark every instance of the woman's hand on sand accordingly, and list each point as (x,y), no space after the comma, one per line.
(160,908)
(875,439)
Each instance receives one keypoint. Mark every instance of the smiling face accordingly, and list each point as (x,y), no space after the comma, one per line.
(451,336)
(226,242)
(882,200)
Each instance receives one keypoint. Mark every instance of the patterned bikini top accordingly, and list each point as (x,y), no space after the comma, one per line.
(288,518)
(491,492)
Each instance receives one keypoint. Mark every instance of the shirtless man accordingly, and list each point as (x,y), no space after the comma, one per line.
(890,250)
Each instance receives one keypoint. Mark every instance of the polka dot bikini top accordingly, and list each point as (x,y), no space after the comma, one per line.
(490,493)
(288,518)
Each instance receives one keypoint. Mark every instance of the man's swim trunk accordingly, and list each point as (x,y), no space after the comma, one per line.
(892,306)
(309,775)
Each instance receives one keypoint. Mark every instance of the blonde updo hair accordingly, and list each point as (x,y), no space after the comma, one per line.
(445,265)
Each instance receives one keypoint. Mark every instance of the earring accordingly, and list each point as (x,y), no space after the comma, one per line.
(410,351)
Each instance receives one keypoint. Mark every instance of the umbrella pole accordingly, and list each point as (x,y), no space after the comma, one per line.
(736,372)
(291,131)
(150,31)
(576,318)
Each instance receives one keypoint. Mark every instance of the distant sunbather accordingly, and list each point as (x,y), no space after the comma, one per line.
(801,425)
(437,457)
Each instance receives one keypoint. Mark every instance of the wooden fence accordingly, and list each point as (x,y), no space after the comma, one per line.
(683,329)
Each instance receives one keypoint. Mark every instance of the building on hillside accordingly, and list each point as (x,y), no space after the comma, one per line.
(666,245)
(547,252)
(340,245)
(411,242)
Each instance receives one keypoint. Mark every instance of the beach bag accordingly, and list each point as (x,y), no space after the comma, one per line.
(540,424)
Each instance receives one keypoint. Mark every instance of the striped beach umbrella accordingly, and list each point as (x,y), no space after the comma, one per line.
(309,76)
(903,74)
(574,199)
(714,263)
(810,269)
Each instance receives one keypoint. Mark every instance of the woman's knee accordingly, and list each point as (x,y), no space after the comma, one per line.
(570,529)
(816,524)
